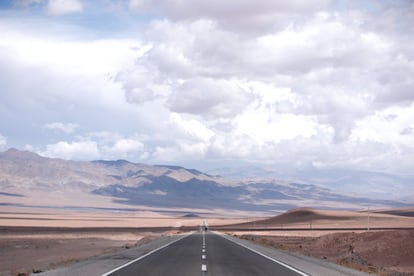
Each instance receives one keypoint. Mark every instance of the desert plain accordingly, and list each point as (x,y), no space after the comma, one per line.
(38,239)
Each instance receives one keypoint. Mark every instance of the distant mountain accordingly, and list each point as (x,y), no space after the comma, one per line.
(27,179)
(352,182)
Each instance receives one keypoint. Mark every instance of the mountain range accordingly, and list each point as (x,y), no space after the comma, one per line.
(379,185)
(27,179)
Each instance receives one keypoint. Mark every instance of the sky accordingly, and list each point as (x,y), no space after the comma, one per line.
(322,84)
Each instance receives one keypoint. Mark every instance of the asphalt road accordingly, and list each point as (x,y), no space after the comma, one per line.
(223,257)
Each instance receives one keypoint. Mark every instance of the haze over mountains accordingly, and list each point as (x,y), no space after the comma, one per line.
(362,183)
(27,179)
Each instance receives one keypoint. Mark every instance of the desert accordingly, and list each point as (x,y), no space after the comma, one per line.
(386,252)
(35,240)
(342,237)
(56,213)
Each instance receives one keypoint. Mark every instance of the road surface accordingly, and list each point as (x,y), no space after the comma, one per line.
(222,257)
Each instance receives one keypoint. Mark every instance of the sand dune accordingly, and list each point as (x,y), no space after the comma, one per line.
(306,215)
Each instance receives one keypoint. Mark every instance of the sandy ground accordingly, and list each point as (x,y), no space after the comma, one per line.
(33,217)
(379,252)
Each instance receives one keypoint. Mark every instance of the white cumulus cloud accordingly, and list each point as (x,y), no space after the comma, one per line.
(3,140)
(210,98)
(77,150)
(124,147)
(66,128)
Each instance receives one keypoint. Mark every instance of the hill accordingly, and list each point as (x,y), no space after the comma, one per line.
(306,218)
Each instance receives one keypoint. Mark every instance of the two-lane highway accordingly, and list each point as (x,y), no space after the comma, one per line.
(223,257)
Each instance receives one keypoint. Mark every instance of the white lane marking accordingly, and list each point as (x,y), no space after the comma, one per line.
(203,250)
(203,267)
(143,256)
(203,257)
(265,256)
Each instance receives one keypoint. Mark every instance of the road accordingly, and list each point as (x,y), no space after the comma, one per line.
(222,257)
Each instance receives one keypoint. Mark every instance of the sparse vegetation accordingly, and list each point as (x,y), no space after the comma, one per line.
(379,252)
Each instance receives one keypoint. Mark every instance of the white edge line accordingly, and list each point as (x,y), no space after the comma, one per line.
(263,255)
(143,256)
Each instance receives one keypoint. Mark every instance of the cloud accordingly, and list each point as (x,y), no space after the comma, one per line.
(124,147)
(397,120)
(62,7)
(104,145)
(66,79)
(308,58)
(191,127)
(233,14)
(280,82)
(66,128)
(3,140)
(78,150)
(209,98)
(308,82)
(407,131)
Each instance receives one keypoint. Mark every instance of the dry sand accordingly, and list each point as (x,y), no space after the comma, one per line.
(64,218)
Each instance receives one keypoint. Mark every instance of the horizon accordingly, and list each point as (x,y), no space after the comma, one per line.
(295,86)
(126,124)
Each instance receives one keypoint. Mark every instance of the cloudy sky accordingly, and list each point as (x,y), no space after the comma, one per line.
(211,83)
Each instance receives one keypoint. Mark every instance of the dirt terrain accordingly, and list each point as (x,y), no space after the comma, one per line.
(379,252)
(326,235)
(40,239)
(28,250)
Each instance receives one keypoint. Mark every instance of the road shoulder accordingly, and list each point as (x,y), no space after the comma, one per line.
(102,264)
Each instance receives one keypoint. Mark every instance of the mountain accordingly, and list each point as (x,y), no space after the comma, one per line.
(27,179)
(377,185)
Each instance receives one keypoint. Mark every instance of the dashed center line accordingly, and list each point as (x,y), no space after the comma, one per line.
(204,255)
